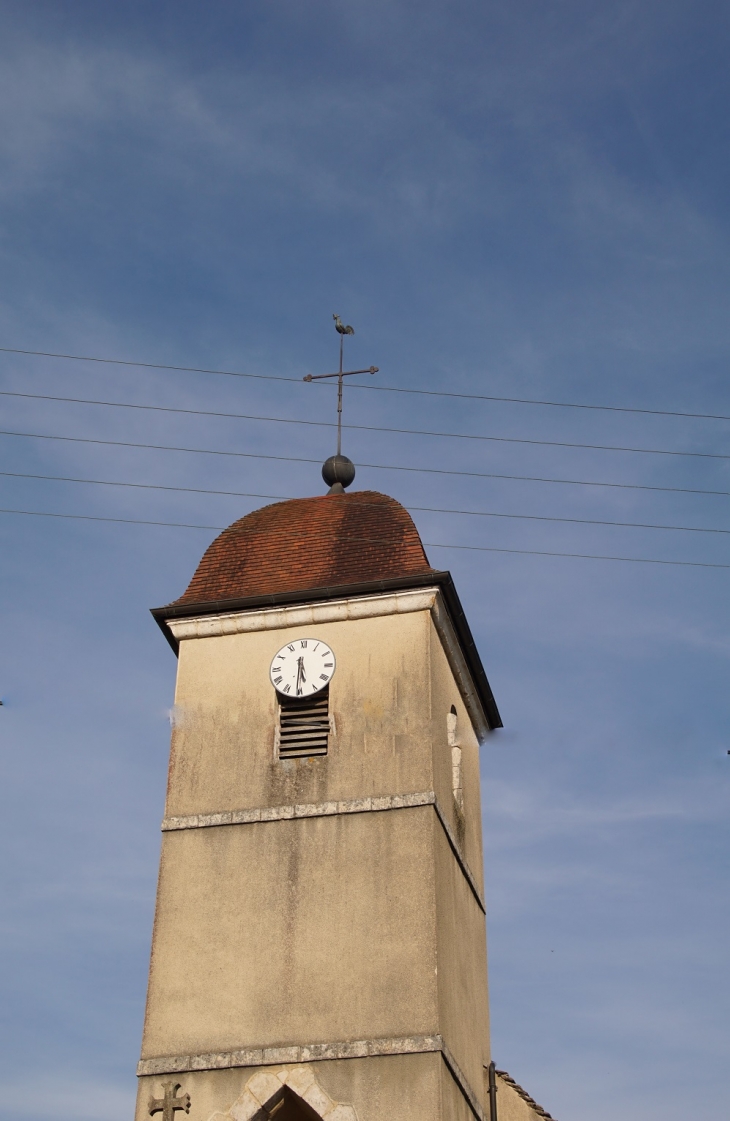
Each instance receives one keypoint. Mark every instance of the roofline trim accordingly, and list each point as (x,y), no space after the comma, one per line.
(442,580)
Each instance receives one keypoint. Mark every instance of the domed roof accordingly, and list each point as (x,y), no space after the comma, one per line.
(316,549)
(305,544)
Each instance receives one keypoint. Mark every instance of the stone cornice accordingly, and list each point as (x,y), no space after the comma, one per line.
(304,614)
(339,610)
(328,809)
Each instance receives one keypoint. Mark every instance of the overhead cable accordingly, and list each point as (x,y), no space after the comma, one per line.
(369,427)
(352,498)
(427,544)
(372,388)
(372,466)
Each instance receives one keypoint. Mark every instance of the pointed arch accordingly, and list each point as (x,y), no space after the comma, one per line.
(286,1094)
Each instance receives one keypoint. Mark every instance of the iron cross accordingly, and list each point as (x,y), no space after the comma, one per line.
(168,1105)
(342,330)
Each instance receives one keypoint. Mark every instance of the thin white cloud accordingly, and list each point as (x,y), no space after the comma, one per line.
(520,816)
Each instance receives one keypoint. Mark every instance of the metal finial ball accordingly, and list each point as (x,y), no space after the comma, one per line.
(338,472)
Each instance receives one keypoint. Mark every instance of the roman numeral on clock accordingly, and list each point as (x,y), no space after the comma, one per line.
(298,676)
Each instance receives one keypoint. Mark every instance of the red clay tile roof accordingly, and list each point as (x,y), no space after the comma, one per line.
(308,543)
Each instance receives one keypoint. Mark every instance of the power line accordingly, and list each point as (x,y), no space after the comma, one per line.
(368,427)
(123,521)
(538,401)
(374,388)
(427,544)
(543,479)
(146,486)
(364,502)
(373,466)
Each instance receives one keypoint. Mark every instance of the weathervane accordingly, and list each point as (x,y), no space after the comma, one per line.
(339,471)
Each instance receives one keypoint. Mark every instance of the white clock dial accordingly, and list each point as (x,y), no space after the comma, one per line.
(302,667)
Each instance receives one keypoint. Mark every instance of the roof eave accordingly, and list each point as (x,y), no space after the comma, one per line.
(276,599)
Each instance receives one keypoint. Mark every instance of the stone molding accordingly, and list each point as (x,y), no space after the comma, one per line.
(311,1053)
(328,809)
(312,809)
(304,614)
(263,1095)
(339,610)
(304,1053)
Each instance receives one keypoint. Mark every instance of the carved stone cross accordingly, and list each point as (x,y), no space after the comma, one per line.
(168,1105)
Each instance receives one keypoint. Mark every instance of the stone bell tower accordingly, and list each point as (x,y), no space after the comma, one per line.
(319,945)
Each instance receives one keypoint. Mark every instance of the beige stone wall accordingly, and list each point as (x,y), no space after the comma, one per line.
(511,1106)
(222,754)
(453,1104)
(462,949)
(462,981)
(407,1087)
(310,931)
(323,929)
(445,694)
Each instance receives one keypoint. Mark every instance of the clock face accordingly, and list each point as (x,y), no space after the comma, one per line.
(302,667)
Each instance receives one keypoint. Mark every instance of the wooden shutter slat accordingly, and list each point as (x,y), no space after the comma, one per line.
(304,726)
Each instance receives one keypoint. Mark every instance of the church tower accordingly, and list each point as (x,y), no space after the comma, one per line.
(319,946)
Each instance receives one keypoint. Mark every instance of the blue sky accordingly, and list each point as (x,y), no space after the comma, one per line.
(525,200)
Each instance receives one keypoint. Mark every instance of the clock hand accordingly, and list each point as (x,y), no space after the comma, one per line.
(300,674)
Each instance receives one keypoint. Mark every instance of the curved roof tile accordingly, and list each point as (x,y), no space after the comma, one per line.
(309,543)
(314,549)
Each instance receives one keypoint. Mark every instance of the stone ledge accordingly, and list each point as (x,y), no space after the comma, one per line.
(310,1053)
(329,809)
(286,813)
(305,1053)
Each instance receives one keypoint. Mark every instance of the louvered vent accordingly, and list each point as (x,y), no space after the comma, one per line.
(304,725)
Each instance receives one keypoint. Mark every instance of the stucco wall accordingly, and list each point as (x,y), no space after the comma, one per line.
(407,1087)
(445,693)
(462,979)
(305,931)
(511,1106)
(345,926)
(222,754)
